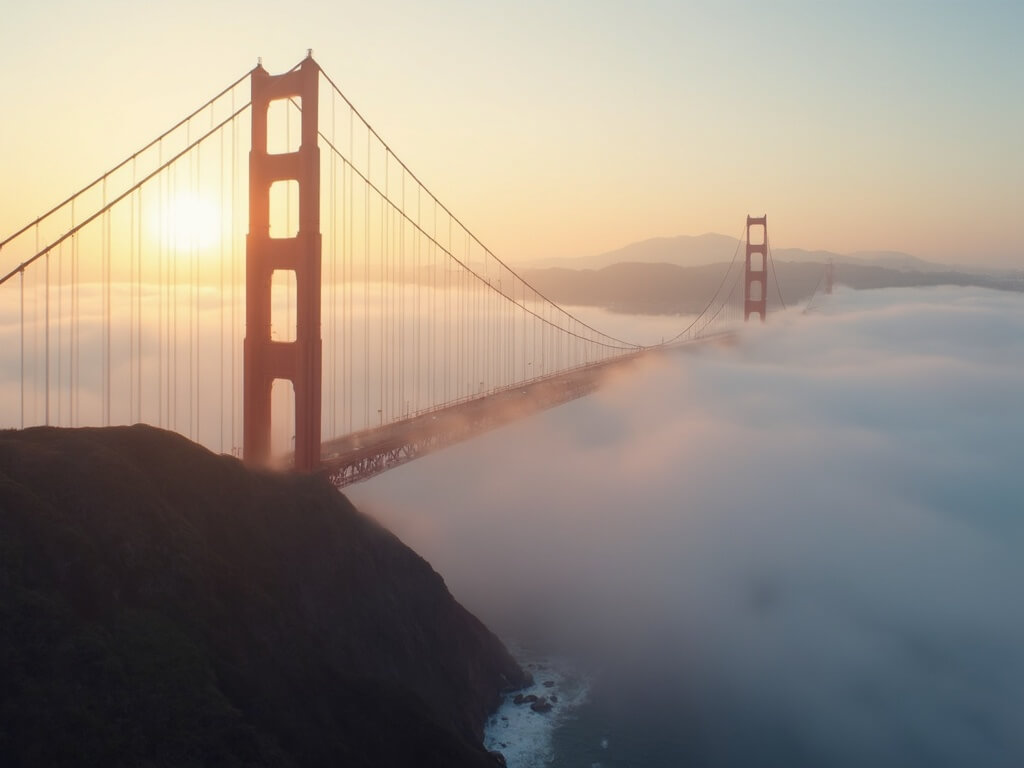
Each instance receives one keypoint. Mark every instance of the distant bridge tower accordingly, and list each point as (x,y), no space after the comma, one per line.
(298,361)
(755,294)
(830,274)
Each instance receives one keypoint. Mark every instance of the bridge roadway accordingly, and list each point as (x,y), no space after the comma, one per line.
(361,455)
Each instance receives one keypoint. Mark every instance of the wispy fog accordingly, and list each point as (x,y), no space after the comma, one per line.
(808,544)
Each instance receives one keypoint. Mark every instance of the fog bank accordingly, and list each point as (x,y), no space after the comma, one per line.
(813,536)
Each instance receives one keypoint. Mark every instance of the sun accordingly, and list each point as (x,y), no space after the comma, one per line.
(188,221)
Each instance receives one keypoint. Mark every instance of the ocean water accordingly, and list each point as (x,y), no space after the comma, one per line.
(527,737)
(585,727)
(800,550)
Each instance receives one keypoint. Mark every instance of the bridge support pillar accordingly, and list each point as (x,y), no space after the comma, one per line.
(830,274)
(298,361)
(755,293)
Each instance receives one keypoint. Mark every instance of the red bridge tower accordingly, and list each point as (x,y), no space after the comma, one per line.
(298,361)
(755,294)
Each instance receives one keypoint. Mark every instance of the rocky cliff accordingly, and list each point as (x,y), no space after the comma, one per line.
(162,605)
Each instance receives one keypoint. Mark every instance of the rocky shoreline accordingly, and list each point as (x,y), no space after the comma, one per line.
(523,727)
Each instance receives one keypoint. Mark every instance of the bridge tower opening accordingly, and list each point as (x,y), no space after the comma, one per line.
(265,359)
(755,293)
(830,274)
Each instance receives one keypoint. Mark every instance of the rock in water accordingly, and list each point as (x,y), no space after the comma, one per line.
(160,604)
(541,705)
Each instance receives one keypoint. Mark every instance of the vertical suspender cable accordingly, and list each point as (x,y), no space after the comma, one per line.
(138,314)
(36,372)
(434,307)
(387,230)
(349,264)
(75,329)
(287,336)
(60,329)
(161,180)
(460,322)
(21,289)
(447,325)
(385,285)
(234,268)
(193,309)
(46,345)
(220,302)
(131,303)
(383,296)
(402,364)
(512,335)
(366,289)
(771,262)
(417,281)
(386,312)
(105,266)
(46,332)
(474,323)
(333,340)
(173,388)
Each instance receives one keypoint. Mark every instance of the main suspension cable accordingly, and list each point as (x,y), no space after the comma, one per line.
(711,301)
(108,205)
(123,163)
(453,217)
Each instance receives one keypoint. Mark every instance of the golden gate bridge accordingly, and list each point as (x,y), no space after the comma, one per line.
(269,279)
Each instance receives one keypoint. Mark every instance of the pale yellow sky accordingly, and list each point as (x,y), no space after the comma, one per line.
(573,128)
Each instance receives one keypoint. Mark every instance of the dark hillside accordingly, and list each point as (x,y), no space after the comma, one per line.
(161,605)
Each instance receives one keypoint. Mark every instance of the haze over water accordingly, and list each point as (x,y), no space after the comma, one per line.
(800,550)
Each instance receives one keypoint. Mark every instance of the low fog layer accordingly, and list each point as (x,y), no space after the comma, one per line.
(813,537)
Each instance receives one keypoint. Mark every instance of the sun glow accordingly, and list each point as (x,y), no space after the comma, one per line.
(187,221)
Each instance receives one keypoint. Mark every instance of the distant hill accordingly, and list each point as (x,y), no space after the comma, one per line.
(682,250)
(660,288)
(887,259)
(712,248)
(629,288)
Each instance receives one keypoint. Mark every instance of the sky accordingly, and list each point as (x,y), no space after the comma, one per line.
(811,537)
(571,128)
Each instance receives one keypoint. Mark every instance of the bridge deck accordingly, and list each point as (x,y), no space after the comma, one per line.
(361,455)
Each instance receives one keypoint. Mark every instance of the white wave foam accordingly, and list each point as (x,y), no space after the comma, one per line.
(522,735)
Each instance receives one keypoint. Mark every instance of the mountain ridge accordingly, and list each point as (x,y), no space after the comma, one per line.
(664,289)
(712,247)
